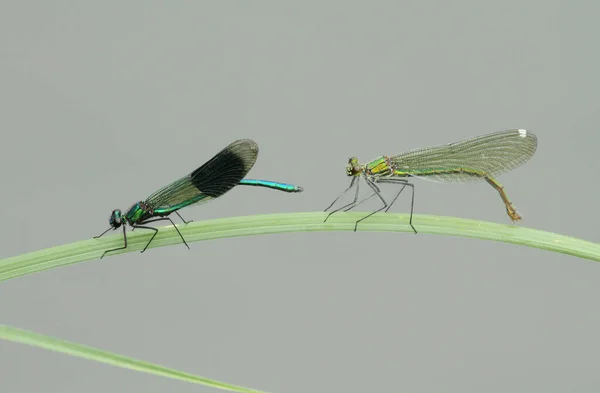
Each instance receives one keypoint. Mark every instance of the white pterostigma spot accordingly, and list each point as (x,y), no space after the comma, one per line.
(522,133)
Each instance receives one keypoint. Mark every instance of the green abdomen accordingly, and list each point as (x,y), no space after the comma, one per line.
(166,210)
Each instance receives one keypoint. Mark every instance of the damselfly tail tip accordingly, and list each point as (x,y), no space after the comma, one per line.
(514,215)
(299,189)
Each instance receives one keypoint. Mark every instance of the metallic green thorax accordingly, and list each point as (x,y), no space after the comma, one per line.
(139,212)
(379,167)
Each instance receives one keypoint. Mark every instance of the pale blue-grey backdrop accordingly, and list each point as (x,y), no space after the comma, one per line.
(103,102)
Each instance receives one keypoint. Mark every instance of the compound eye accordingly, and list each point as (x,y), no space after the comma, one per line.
(115,219)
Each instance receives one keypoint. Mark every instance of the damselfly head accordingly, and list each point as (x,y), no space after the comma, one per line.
(116,219)
(353,168)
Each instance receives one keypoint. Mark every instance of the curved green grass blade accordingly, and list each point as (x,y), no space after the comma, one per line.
(294,222)
(254,225)
(82,351)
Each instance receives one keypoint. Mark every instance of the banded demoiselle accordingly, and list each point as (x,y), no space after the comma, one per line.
(477,159)
(220,174)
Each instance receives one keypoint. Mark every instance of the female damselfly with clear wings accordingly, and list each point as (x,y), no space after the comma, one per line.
(473,160)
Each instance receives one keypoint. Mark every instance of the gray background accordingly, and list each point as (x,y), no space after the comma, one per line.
(104,102)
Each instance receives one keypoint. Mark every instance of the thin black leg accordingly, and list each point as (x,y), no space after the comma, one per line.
(364,199)
(396,197)
(359,202)
(184,221)
(154,229)
(405,183)
(377,192)
(342,194)
(351,204)
(152,238)
(102,234)
(115,249)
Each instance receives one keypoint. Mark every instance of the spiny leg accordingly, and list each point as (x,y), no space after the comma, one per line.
(351,204)
(404,183)
(377,192)
(115,249)
(161,219)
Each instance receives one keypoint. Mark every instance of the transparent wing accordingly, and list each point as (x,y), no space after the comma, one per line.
(213,179)
(493,154)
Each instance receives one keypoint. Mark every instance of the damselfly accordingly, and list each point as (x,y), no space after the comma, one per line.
(478,159)
(224,171)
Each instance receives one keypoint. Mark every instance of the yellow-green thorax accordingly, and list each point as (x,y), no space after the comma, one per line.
(381,166)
